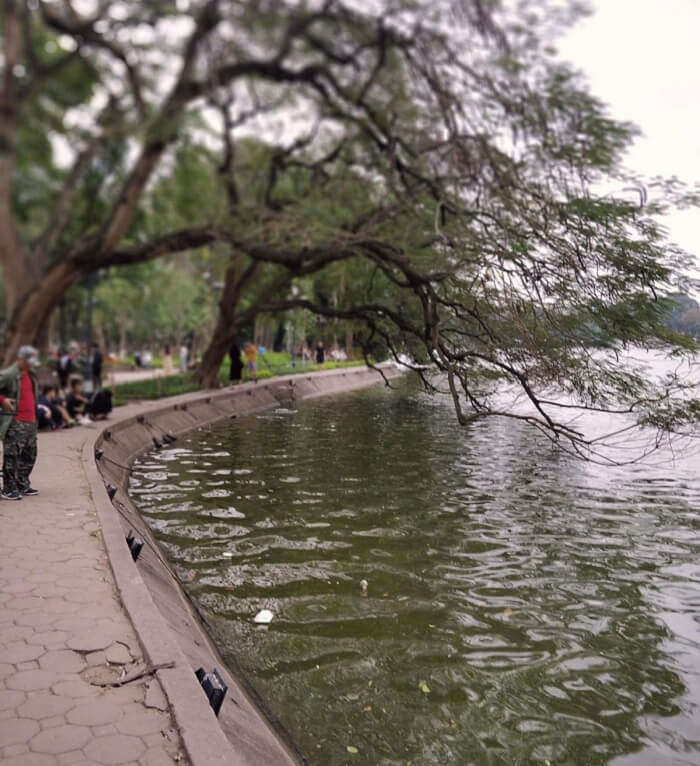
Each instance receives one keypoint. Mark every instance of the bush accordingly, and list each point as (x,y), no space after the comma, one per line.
(269,366)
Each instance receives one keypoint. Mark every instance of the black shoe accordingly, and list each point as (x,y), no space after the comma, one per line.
(30,491)
(13,495)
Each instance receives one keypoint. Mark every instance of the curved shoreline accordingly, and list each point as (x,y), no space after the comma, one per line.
(167,624)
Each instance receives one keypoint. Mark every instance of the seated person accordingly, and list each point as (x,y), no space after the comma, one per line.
(100,404)
(49,410)
(76,401)
(43,418)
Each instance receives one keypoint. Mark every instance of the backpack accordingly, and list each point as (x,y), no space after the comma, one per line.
(100,402)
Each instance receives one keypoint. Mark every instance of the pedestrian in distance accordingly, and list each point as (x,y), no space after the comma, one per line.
(96,364)
(184,351)
(18,424)
(64,368)
(236,371)
(167,360)
(320,353)
(251,355)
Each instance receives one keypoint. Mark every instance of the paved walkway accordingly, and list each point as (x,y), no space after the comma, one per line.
(63,631)
(131,376)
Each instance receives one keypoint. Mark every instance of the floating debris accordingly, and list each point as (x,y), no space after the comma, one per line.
(363,587)
(352,750)
(263,617)
(424,687)
(227,555)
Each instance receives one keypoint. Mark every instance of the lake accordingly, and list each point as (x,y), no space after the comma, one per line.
(522,606)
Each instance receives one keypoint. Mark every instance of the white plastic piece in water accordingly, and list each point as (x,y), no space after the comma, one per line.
(227,555)
(263,617)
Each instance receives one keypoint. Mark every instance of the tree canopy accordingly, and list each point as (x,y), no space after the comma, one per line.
(435,161)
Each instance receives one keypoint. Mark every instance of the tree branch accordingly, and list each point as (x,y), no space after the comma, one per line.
(161,133)
(166,244)
(84,32)
(58,219)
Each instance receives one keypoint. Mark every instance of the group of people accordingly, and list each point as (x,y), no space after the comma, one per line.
(66,369)
(318,354)
(24,410)
(250,353)
(56,410)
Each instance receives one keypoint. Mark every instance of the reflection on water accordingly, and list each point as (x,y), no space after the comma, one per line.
(522,607)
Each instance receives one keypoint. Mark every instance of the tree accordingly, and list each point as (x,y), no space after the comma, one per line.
(505,262)
(213,44)
(439,148)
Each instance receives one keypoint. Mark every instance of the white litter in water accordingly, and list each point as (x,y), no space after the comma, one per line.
(263,617)
(227,555)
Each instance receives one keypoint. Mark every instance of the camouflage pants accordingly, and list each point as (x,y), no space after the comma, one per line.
(19,455)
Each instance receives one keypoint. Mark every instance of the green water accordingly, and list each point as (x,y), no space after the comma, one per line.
(522,607)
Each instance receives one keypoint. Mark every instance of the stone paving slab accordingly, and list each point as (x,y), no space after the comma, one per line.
(62,627)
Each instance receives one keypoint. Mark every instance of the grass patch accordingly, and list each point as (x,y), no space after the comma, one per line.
(269,366)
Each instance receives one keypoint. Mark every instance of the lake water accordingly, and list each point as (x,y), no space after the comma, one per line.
(522,607)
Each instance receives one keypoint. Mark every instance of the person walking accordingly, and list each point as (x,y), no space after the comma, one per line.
(251,354)
(18,426)
(236,371)
(97,363)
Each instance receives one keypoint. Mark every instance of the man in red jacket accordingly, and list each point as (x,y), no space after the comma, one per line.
(18,426)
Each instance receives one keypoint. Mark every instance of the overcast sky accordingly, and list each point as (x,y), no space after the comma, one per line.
(641,57)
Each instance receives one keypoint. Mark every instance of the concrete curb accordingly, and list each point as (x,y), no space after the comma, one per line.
(202,737)
(258,740)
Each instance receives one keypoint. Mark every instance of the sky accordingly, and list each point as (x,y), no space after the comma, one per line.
(642,58)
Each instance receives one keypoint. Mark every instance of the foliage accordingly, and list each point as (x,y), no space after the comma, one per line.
(172,385)
(425,174)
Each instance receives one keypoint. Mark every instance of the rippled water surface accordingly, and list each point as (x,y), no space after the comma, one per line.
(522,608)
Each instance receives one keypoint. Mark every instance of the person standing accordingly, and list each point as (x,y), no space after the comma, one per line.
(64,368)
(251,354)
(320,353)
(167,360)
(236,371)
(18,426)
(183,357)
(97,362)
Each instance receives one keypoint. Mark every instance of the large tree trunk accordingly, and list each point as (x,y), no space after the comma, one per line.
(34,309)
(208,372)
(238,277)
(42,341)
